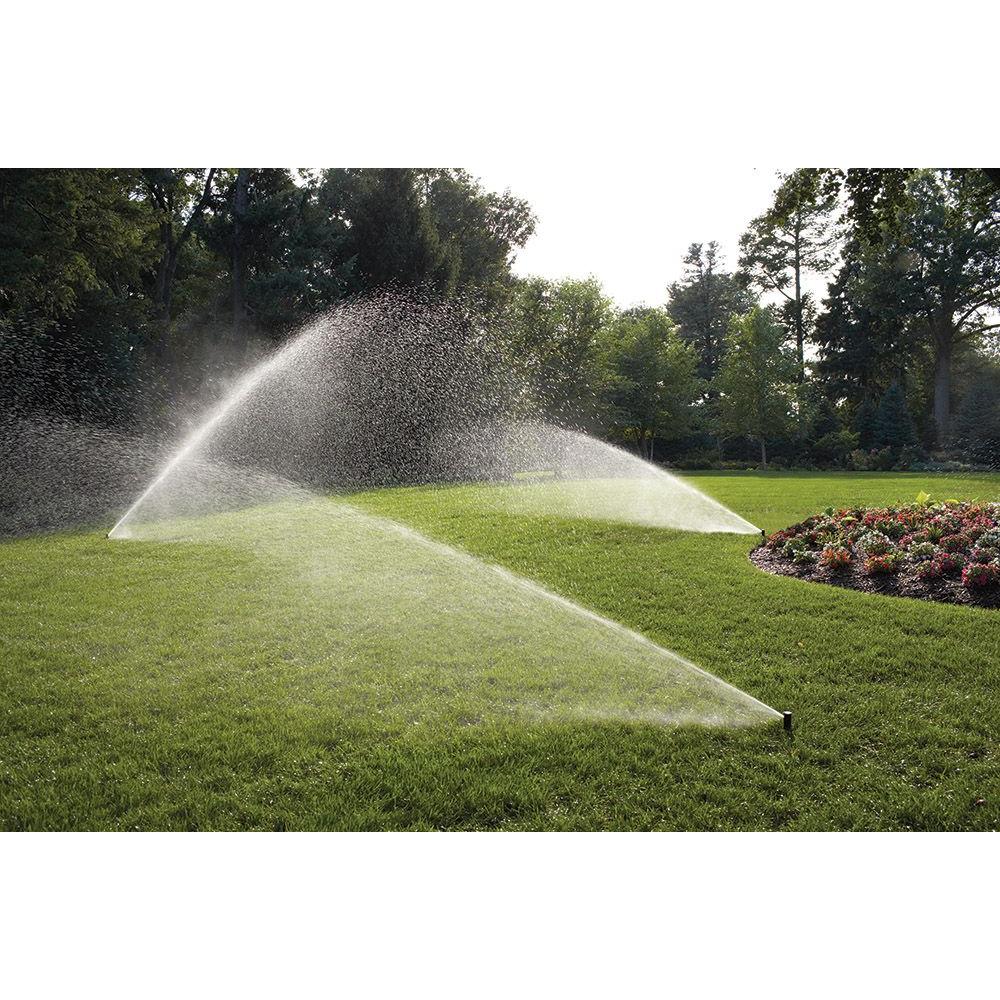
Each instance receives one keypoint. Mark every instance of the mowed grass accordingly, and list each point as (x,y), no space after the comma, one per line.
(174,685)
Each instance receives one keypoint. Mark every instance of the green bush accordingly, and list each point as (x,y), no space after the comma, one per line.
(836,447)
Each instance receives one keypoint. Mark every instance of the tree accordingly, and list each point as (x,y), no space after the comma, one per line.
(864,422)
(863,341)
(179,198)
(703,302)
(874,196)
(481,229)
(893,426)
(651,379)
(64,233)
(795,236)
(757,380)
(392,233)
(944,253)
(286,241)
(556,330)
(240,203)
(73,248)
(975,429)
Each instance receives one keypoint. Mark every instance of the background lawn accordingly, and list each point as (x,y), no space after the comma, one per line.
(174,685)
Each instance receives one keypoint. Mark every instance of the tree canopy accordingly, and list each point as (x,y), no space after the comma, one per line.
(124,293)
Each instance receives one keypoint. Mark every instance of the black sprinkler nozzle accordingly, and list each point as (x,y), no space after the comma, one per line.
(763,535)
(786,718)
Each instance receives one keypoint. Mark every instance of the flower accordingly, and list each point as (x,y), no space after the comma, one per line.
(836,557)
(979,575)
(882,564)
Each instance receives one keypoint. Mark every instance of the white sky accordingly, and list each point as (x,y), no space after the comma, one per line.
(631,226)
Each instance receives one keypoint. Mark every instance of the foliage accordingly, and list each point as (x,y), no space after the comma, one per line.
(835,557)
(879,565)
(795,236)
(704,302)
(756,383)
(893,425)
(875,543)
(558,328)
(125,289)
(482,230)
(921,286)
(923,541)
(976,426)
(835,448)
(980,575)
(651,380)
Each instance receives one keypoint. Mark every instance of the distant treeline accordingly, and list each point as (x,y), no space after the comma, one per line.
(123,292)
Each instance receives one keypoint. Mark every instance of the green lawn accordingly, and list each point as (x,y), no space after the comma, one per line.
(251,678)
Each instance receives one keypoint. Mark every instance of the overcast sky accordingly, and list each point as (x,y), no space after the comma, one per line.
(631,226)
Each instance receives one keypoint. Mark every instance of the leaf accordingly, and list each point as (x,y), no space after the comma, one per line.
(923,497)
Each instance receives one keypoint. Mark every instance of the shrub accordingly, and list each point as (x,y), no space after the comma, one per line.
(803,557)
(876,460)
(910,457)
(837,446)
(979,575)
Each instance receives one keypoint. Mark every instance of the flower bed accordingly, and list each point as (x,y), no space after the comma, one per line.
(948,551)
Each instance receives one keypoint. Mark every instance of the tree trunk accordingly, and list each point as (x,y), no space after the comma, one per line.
(800,336)
(942,385)
(763,454)
(239,253)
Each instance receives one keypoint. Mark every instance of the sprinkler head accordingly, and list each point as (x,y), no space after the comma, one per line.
(763,535)
(786,718)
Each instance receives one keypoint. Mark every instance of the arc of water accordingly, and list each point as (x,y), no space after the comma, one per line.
(251,381)
(529,586)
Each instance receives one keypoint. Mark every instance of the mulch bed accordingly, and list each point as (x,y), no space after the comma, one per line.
(902,584)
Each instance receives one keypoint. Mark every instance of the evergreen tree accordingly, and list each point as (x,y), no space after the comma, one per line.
(893,427)
(703,302)
(796,236)
(864,423)
(976,427)
(864,345)
(392,234)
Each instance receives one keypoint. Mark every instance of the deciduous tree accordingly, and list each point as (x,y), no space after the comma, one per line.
(757,381)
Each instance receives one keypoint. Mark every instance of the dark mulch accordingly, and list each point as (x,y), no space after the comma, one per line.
(902,584)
